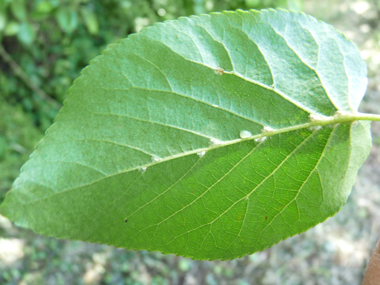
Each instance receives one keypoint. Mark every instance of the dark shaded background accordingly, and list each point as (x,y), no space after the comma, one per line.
(43,46)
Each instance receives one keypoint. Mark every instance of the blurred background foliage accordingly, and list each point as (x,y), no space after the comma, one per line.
(44,44)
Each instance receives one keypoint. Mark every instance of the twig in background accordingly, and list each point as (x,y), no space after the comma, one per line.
(20,73)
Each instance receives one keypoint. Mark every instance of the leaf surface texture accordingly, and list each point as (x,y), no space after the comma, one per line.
(146,152)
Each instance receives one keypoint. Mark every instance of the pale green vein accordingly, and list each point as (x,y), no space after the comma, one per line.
(190,98)
(244,197)
(155,66)
(328,121)
(73,162)
(155,123)
(166,190)
(307,65)
(106,141)
(303,184)
(205,192)
(278,92)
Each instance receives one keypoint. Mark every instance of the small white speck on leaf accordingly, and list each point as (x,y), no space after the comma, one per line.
(155,159)
(317,117)
(315,128)
(219,71)
(142,169)
(214,141)
(267,129)
(202,153)
(341,113)
(245,134)
(260,140)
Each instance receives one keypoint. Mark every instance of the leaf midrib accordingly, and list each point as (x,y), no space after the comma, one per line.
(327,121)
(299,190)
(224,176)
(239,200)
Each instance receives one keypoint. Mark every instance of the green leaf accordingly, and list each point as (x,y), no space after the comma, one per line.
(210,137)
(44,7)
(11,29)
(42,10)
(67,19)
(3,20)
(26,33)
(90,20)
(18,8)
(3,15)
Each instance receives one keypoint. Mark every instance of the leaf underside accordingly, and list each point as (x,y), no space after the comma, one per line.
(146,152)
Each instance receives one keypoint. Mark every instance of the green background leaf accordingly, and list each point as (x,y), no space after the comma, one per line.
(67,19)
(90,20)
(146,152)
(26,33)
(18,8)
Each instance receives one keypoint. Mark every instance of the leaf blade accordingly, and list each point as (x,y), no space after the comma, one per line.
(134,139)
